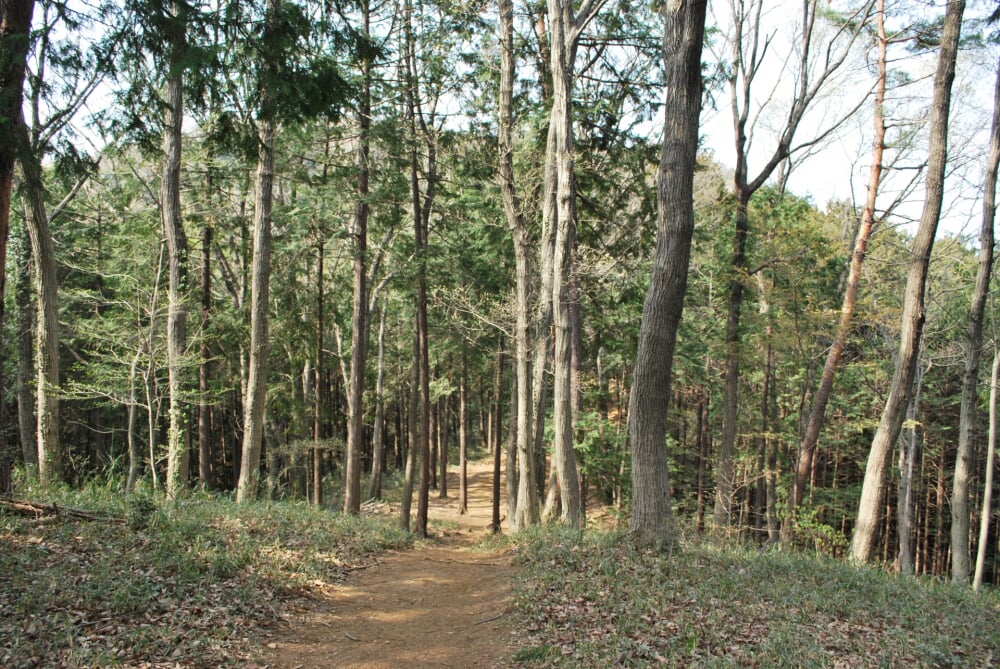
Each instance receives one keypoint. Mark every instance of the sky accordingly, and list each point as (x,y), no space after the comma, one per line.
(839,170)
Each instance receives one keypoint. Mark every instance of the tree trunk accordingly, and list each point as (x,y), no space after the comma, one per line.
(730,403)
(444,424)
(973,353)
(873,490)
(815,425)
(511,481)
(420,243)
(318,396)
(25,353)
(463,437)
(149,376)
(134,449)
(204,371)
(15,25)
(908,449)
(435,442)
(256,392)
(564,32)
(378,438)
(50,456)
(412,426)
(528,514)
(651,522)
(359,310)
(173,230)
(984,518)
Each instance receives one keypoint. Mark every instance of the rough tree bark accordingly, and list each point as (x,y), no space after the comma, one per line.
(526,512)
(173,230)
(973,353)
(25,351)
(908,449)
(807,448)
(50,456)
(378,436)
(412,451)
(15,24)
(651,522)
(317,379)
(564,31)
(865,540)
(359,309)
(421,214)
(204,365)
(260,271)
(463,437)
(984,518)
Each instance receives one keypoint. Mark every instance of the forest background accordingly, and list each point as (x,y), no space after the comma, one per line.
(279,248)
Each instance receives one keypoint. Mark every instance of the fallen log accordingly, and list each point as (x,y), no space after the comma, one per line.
(42,509)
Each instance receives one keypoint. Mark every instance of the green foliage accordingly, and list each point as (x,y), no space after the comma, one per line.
(601,449)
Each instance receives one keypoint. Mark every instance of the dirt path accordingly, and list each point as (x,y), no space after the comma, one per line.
(442,604)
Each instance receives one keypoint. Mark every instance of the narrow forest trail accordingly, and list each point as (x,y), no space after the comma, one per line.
(442,604)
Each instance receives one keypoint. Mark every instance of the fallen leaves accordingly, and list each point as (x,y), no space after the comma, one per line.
(193,590)
(608,605)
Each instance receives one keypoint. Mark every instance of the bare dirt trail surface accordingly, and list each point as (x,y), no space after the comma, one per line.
(442,604)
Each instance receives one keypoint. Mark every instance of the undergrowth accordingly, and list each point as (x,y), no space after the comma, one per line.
(594,601)
(187,584)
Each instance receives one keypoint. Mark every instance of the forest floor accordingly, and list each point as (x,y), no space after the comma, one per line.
(445,603)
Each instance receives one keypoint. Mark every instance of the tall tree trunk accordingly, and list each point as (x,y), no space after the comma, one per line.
(908,449)
(134,449)
(816,418)
(761,524)
(412,426)
(204,371)
(511,480)
(425,409)
(527,512)
(318,396)
(420,241)
(651,522)
(25,352)
(724,484)
(463,437)
(256,392)
(542,323)
(173,229)
(864,541)
(15,26)
(359,309)
(563,456)
(565,28)
(985,516)
(443,429)
(378,438)
(149,376)
(50,456)
(973,353)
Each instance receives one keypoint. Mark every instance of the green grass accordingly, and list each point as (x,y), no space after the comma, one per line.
(188,583)
(597,602)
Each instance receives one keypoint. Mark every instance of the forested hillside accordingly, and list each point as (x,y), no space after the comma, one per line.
(290,249)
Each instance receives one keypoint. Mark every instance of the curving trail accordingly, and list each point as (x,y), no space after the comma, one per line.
(442,604)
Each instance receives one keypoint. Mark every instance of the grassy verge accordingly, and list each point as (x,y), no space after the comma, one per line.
(189,584)
(595,602)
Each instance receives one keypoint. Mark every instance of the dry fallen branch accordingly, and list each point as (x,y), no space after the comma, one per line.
(41,509)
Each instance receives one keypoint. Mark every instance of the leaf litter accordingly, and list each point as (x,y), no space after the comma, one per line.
(195,589)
